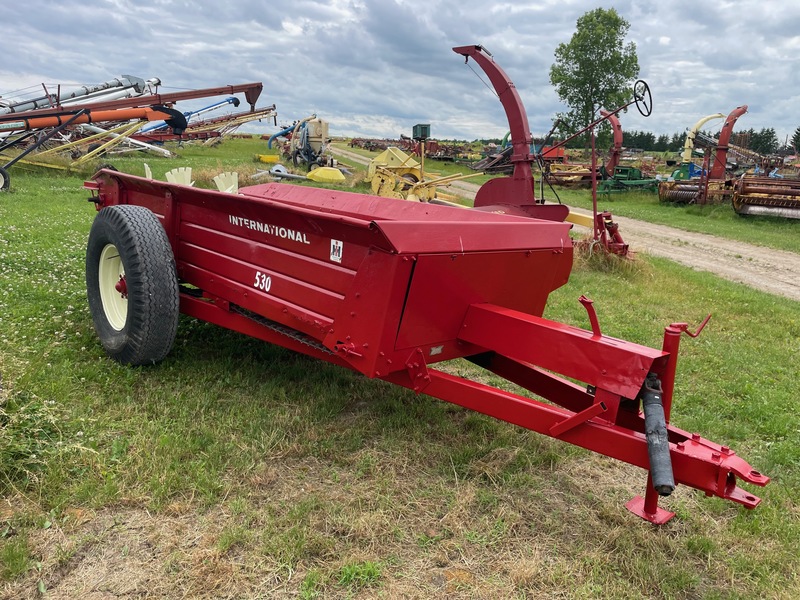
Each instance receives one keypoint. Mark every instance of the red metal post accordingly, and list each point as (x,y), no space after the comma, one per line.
(598,233)
(671,345)
(647,507)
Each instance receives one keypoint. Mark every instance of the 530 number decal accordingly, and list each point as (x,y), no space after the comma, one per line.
(263,281)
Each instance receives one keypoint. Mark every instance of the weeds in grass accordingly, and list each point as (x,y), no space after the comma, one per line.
(360,575)
(15,558)
(27,434)
(33,434)
(311,586)
(592,255)
(233,535)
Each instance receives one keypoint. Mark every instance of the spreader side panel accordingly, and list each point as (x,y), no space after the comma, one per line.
(279,272)
(444,286)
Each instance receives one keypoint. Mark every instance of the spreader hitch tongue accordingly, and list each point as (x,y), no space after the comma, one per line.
(655,425)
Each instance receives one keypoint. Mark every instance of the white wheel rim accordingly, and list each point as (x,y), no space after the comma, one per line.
(110,270)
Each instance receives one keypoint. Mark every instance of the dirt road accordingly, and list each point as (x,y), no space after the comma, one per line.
(773,271)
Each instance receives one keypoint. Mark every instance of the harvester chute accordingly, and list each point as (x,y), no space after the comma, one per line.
(515,195)
(713,184)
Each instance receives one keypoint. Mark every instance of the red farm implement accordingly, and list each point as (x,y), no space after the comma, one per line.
(388,288)
(516,194)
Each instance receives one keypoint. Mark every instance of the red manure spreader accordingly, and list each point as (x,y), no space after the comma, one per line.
(388,288)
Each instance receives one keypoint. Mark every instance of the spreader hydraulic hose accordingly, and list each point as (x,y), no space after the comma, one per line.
(655,425)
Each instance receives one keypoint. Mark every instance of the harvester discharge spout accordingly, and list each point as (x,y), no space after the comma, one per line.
(515,195)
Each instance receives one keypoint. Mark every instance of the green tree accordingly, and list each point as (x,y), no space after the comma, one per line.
(643,140)
(796,139)
(595,69)
(662,143)
(764,141)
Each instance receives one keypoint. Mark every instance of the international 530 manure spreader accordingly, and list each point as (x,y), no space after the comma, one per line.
(387,288)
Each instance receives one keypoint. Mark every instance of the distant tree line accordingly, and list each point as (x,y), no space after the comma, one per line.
(763,141)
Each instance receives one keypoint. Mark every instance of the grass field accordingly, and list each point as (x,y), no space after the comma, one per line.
(236,469)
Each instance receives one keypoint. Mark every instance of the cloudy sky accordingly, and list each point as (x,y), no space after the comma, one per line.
(375,68)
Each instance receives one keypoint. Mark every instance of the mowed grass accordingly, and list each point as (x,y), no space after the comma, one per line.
(239,469)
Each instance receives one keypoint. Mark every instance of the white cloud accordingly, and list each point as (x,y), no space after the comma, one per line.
(378,67)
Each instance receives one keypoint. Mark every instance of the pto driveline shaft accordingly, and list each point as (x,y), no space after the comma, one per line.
(655,425)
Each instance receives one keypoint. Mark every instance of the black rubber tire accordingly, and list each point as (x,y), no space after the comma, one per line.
(296,158)
(5,180)
(130,240)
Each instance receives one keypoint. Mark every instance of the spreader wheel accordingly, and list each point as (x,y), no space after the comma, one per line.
(5,180)
(132,285)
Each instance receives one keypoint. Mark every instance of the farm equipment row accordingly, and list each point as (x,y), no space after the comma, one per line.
(100,117)
(565,173)
(757,195)
(388,288)
(715,182)
(208,129)
(557,170)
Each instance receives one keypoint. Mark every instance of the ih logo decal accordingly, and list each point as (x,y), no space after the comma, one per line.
(336,250)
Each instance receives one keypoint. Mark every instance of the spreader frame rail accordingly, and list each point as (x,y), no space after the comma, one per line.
(592,417)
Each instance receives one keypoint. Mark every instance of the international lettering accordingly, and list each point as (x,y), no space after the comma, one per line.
(280,232)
